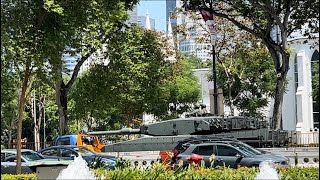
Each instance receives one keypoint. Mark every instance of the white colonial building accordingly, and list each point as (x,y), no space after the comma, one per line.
(300,111)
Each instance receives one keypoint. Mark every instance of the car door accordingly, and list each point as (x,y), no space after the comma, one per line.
(52,153)
(227,156)
(9,166)
(205,151)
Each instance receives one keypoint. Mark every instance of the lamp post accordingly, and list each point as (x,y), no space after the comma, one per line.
(208,18)
(214,76)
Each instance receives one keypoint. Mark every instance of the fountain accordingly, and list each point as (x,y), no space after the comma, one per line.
(267,171)
(78,169)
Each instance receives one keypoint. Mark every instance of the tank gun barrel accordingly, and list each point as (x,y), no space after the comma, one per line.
(122,131)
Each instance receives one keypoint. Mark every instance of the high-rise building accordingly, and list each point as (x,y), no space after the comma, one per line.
(188,43)
(171,5)
(133,16)
(70,62)
(142,22)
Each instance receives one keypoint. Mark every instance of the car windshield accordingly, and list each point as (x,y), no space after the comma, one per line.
(83,151)
(248,150)
(31,156)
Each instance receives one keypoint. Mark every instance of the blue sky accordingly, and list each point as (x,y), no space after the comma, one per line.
(156,10)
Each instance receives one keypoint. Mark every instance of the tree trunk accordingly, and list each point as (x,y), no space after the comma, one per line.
(62,101)
(278,100)
(20,114)
(9,138)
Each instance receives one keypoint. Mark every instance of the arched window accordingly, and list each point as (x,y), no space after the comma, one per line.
(314,70)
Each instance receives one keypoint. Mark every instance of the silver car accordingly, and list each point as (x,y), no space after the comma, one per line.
(226,153)
(28,157)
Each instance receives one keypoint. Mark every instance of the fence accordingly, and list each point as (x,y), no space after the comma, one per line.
(304,139)
(30,145)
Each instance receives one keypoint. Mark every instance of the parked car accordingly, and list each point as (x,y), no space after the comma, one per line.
(69,152)
(227,152)
(28,157)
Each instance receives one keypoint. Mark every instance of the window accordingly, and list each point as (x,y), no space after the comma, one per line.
(50,152)
(67,153)
(248,150)
(64,141)
(31,156)
(226,151)
(12,159)
(204,150)
(83,151)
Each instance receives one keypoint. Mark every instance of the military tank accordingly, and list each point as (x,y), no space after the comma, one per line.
(164,135)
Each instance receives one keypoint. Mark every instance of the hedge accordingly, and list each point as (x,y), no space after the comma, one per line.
(19,177)
(159,171)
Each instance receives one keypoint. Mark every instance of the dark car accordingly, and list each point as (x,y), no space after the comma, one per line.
(227,152)
(69,152)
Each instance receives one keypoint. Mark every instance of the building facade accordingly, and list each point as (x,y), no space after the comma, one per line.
(133,15)
(300,111)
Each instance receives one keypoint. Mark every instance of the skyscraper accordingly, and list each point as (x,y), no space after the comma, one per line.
(170,7)
(133,16)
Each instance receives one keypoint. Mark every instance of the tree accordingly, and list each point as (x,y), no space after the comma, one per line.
(246,76)
(93,27)
(9,102)
(261,17)
(35,34)
(178,92)
(136,80)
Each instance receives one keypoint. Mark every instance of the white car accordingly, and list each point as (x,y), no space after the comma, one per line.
(28,157)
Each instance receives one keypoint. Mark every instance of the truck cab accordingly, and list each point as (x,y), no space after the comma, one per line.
(88,141)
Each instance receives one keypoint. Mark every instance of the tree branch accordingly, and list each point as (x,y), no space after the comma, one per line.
(82,60)
(237,23)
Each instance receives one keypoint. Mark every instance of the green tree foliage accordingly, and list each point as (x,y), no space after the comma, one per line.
(246,76)
(35,34)
(260,18)
(196,63)
(9,102)
(137,79)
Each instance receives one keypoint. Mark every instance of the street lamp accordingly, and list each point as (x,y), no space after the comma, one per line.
(208,18)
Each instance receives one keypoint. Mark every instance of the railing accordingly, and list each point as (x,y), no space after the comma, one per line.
(304,139)
(31,145)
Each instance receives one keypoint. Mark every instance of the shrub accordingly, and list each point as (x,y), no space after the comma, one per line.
(19,176)
(163,172)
